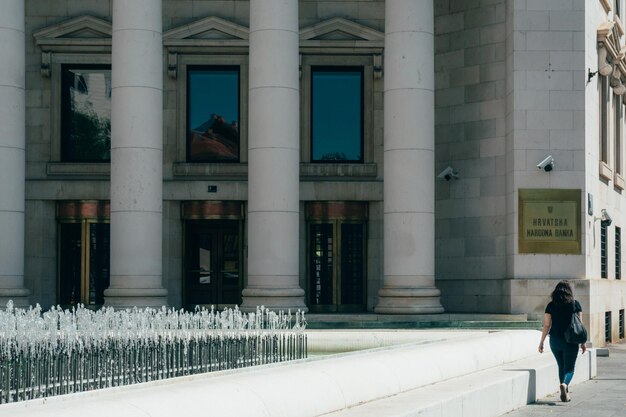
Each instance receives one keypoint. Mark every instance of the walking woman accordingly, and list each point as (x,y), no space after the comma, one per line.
(557,318)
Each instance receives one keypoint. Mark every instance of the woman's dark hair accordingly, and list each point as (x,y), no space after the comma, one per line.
(562,293)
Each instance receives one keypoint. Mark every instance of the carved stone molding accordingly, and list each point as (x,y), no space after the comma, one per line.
(210,32)
(46,58)
(80,34)
(339,29)
(611,55)
(378,66)
(83,34)
(172,65)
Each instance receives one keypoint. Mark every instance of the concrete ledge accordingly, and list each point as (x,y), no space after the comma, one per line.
(421,321)
(303,388)
(443,317)
(339,341)
(488,393)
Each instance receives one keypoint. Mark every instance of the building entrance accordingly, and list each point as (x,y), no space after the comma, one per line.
(212,263)
(336,256)
(84,240)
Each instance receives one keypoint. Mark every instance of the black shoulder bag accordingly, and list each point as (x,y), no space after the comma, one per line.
(575,332)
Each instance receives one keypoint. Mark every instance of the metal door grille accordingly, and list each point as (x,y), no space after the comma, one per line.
(603,257)
(618,253)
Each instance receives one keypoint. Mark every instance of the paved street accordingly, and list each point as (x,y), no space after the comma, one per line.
(604,396)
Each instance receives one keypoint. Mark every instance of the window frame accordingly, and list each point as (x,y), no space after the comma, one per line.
(84,213)
(336,214)
(56,166)
(337,265)
(606,103)
(617,130)
(64,109)
(190,68)
(206,61)
(608,327)
(346,69)
(604,249)
(366,63)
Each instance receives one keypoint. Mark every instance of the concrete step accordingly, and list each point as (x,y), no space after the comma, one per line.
(421,321)
(501,325)
(443,317)
(487,393)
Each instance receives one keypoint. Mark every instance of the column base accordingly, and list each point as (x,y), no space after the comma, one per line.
(394,300)
(19,297)
(121,298)
(275,299)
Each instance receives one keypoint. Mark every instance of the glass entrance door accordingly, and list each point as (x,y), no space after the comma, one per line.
(84,262)
(336,266)
(83,252)
(212,263)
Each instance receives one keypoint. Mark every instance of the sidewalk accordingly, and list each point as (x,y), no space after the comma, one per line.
(603,396)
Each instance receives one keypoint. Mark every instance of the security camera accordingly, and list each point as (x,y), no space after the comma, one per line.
(448,174)
(547,164)
(606,220)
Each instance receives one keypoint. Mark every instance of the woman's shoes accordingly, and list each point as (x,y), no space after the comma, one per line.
(564,393)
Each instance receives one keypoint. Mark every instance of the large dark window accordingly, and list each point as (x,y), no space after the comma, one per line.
(213,114)
(337,114)
(86,113)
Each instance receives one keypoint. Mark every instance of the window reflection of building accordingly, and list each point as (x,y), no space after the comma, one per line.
(337,114)
(213,114)
(83,251)
(86,113)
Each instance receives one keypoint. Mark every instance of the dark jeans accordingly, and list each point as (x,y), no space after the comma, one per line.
(565,355)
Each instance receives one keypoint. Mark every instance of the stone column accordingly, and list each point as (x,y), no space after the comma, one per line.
(12,153)
(409,190)
(136,155)
(273,158)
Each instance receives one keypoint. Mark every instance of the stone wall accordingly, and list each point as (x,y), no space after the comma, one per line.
(470,119)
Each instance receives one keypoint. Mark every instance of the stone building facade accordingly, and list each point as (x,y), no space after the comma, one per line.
(335,156)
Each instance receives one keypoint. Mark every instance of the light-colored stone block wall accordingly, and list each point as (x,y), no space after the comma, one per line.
(552,108)
(545,116)
(470,52)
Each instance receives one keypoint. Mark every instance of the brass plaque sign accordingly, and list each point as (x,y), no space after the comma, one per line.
(549,221)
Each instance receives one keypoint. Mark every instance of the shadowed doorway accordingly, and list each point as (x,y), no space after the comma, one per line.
(213,255)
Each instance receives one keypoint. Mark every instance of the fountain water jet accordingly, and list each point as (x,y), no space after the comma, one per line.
(64,351)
